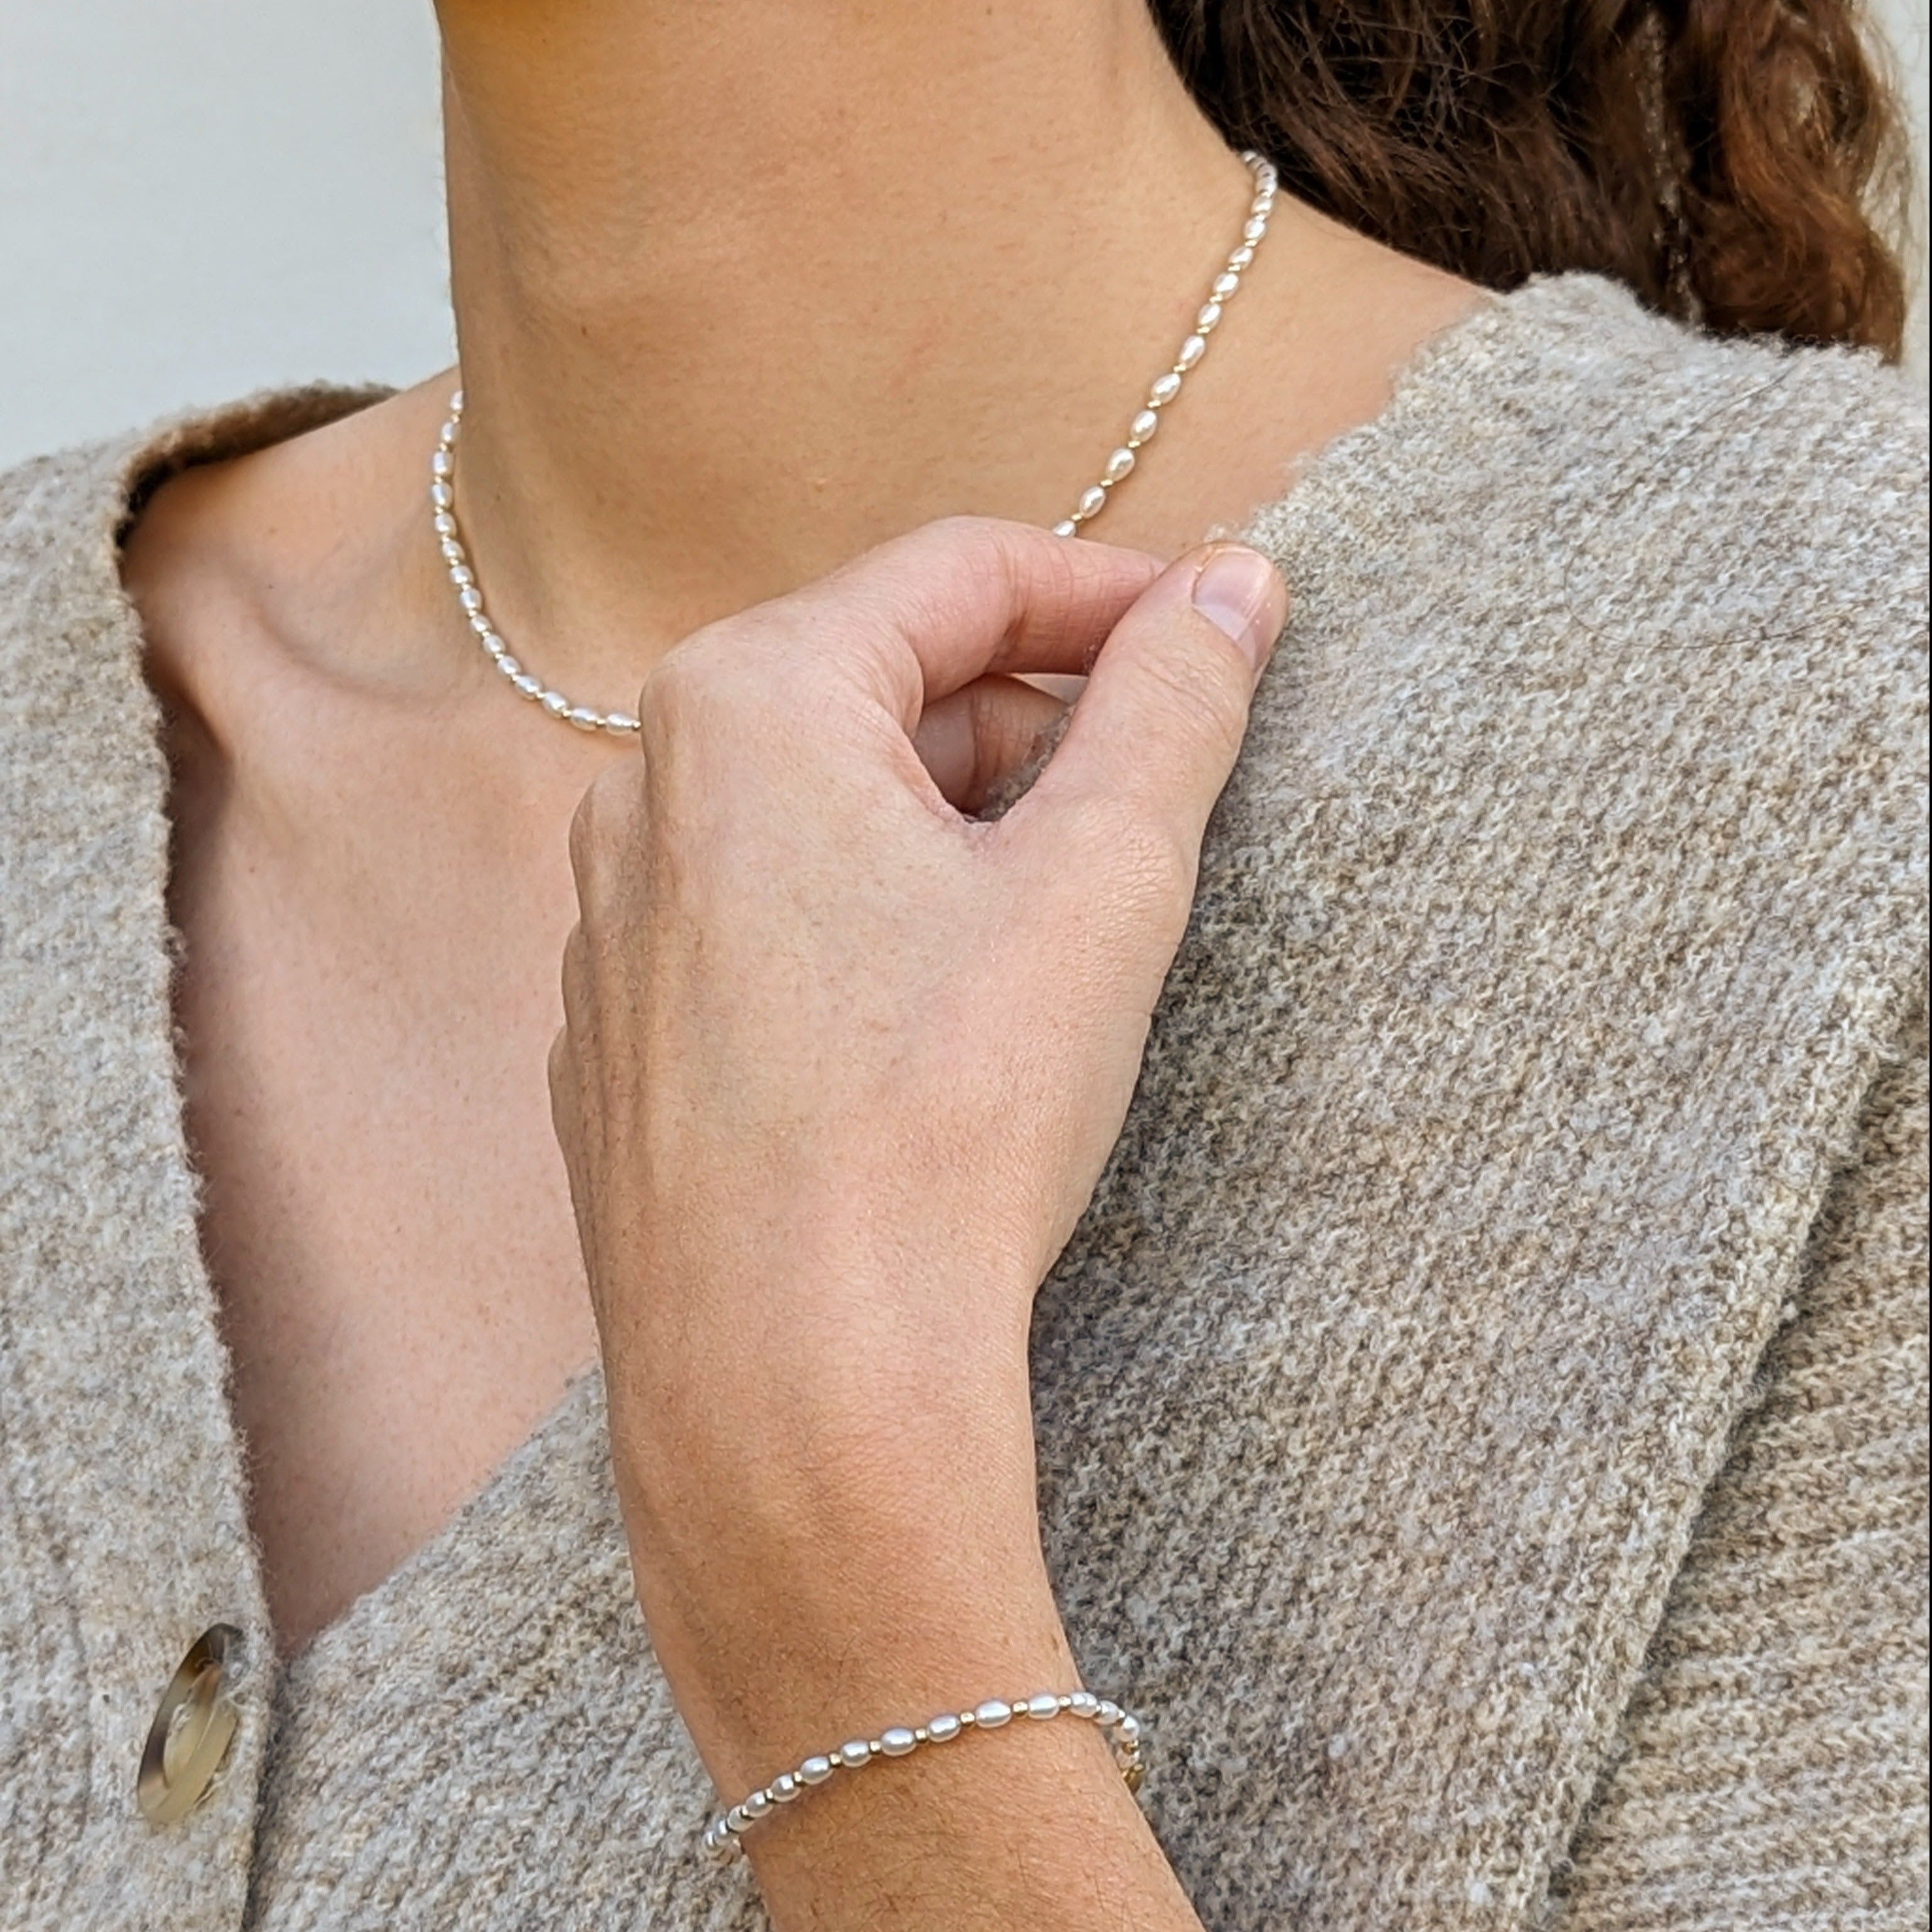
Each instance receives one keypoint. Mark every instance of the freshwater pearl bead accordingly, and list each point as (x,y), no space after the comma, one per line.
(1118,465)
(1142,427)
(1167,387)
(1092,500)
(719,1839)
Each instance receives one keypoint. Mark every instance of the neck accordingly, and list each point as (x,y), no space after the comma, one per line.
(743,289)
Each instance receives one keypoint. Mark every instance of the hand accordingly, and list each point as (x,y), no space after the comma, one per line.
(840,1069)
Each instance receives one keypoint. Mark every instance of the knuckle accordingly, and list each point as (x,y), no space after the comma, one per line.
(723,680)
(968,536)
(583,836)
(973,553)
(678,691)
(1015,557)
(561,1069)
(576,964)
(601,827)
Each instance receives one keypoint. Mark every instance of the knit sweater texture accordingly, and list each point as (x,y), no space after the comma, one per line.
(1481,1412)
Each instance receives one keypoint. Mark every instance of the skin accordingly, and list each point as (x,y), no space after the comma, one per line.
(840,1066)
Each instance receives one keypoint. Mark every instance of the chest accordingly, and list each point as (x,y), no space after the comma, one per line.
(367,999)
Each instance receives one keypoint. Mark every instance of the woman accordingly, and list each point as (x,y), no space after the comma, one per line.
(1465,1408)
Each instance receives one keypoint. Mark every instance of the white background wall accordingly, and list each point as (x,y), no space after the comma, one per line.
(198,197)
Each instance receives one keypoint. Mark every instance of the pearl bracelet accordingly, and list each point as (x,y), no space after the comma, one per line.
(1122,1730)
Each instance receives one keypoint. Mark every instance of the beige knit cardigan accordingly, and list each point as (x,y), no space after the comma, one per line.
(1481,1414)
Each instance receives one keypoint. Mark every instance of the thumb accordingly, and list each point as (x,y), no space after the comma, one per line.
(1161,720)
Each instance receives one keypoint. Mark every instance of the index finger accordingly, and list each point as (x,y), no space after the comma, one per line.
(957,599)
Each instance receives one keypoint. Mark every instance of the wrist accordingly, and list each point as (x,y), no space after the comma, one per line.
(771,1662)
(981,1831)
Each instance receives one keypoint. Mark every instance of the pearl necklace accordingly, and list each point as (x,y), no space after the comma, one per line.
(1119,466)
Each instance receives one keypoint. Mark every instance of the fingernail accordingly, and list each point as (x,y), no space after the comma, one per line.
(1241,593)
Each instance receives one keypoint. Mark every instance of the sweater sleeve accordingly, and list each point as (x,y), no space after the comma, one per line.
(1737,1798)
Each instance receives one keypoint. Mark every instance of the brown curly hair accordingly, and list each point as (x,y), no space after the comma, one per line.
(1737,162)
